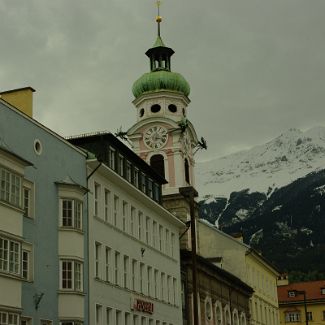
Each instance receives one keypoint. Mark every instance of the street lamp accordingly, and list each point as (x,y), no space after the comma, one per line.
(303,292)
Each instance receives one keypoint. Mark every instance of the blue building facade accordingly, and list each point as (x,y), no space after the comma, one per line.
(43,224)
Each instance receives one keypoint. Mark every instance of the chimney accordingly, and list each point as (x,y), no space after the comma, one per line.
(21,98)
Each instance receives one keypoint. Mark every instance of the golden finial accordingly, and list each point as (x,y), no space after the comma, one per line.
(158,17)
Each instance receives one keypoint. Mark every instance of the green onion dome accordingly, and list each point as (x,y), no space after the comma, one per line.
(160,80)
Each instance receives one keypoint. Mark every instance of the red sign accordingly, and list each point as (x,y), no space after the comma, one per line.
(143,306)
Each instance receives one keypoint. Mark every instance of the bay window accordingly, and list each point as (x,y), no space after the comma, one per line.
(72,213)
(71,275)
(10,187)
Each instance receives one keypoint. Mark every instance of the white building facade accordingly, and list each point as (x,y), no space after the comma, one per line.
(134,259)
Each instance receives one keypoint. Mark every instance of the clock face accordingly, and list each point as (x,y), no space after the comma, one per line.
(155,137)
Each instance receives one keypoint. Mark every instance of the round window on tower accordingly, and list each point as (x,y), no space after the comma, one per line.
(172,108)
(141,112)
(155,108)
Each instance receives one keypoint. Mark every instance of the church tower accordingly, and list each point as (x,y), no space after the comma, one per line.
(162,135)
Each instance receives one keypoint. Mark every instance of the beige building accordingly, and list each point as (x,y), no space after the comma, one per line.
(234,256)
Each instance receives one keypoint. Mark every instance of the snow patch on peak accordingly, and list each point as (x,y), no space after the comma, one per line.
(266,167)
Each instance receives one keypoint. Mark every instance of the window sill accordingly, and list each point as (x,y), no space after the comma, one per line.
(12,276)
(71,292)
(13,207)
(79,231)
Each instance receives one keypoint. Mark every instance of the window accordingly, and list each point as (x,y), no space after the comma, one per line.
(160,238)
(158,165)
(136,177)
(124,215)
(121,165)
(134,266)
(117,262)
(96,200)
(323,314)
(172,242)
(147,229)
(125,271)
(133,211)
(111,158)
(140,215)
(71,322)
(25,321)
(128,171)
(107,263)
(322,291)
(116,209)
(10,187)
(154,234)
(155,281)
(168,288)
(162,287)
(309,315)
(149,275)
(127,318)
(118,317)
(291,294)
(98,248)
(72,213)
(174,292)
(167,242)
(141,277)
(71,275)
(25,265)
(99,315)
(187,171)
(109,316)
(28,199)
(143,183)
(293,317)
(10,256)
(172,108)
(107,205)
(150,188)
(8,318)
(155,108)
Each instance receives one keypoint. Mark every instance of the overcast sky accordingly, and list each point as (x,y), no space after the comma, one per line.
(256,67)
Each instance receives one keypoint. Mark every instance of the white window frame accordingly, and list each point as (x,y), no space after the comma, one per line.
(107,205)
(9,318)
(97,191)
(10,187)
(111,158)
(10,259)
(76,213)
(108,252)
(76,280)
(98,248)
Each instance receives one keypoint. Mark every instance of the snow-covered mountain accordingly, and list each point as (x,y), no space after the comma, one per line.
(263,168)
(274,195)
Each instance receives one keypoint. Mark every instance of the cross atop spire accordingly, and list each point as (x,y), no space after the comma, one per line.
(158,17)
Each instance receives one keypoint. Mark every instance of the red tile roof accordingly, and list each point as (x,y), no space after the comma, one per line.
(312,289)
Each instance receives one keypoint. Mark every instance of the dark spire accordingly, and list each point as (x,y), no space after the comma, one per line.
(159,54)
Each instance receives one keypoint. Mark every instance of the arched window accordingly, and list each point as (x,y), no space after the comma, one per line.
(227,315)
(218,314)
(242,319)
(158,164)
(187,171)
(235,318)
